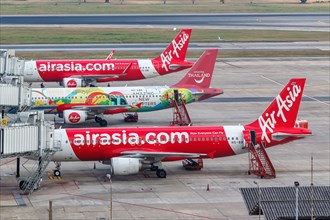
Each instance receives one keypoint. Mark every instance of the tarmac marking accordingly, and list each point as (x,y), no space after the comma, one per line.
(278,83)
(143,206)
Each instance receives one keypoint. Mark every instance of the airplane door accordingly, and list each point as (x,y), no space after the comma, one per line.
(250,136)
(253,137)
(176,95)
(57,140)
(29,68)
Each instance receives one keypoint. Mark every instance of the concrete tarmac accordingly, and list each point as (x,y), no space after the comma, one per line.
(83,192)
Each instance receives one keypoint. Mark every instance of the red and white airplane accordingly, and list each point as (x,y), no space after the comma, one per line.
(78,73)
(76,105)
(129,150)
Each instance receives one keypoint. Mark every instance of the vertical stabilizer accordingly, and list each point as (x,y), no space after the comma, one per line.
(283,111)
(173,57)
(201,72)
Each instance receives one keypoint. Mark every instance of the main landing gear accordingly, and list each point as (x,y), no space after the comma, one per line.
(161,173)
(102,122)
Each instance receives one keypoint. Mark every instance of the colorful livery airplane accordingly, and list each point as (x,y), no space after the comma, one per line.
(129,150)
(76,105)
(77,73)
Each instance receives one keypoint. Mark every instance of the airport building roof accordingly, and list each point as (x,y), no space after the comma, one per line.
(280,202)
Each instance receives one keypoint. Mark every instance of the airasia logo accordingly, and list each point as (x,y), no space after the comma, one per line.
(71,83)
(284,105)
(74,117)
(167,56)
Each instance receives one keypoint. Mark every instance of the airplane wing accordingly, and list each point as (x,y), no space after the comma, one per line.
(158,156)
(107,77)
(114,76)
(97,109)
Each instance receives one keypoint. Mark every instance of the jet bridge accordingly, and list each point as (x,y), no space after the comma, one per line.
(27,133)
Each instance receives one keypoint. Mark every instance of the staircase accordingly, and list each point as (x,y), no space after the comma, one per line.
(259,162)
(180,114)
(32,182)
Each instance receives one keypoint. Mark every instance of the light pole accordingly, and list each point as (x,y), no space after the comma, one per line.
(108,177)
(296,184)
(259,197)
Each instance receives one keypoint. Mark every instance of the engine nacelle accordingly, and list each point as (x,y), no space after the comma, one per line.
(73,82)
(125,166)
(74,116)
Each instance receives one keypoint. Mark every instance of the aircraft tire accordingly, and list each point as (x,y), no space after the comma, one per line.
(103,123)
(161,173)
(98,119)
(57,173)
(22,184)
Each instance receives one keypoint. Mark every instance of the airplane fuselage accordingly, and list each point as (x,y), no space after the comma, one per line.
(120,70)
(93,144)
(137,99)
(102,144)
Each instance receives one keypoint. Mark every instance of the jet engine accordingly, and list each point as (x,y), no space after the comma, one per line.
(74,116)
(73,82)
(125,166)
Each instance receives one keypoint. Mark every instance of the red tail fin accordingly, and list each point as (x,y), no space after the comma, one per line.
(174,55)
(201,73)
(283,111)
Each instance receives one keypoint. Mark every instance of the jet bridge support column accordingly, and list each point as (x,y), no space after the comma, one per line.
(28,134)
(18,161)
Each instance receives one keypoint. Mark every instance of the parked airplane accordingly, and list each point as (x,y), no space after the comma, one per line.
(76,105)
(77,73)
(129,150)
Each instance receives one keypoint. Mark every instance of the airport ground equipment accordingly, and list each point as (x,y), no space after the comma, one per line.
(180,113)
(27,134)
(259,161)
(191,164)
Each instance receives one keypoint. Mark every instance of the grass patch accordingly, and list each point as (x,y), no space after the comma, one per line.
(191,54)
(55,7)
(64,35)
